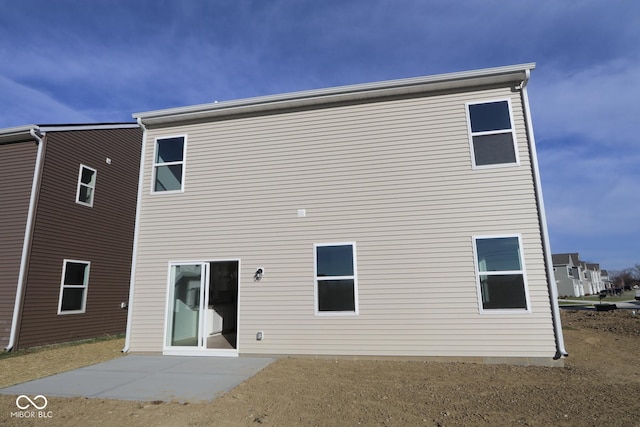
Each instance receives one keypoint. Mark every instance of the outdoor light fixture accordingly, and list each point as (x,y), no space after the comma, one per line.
(258,275)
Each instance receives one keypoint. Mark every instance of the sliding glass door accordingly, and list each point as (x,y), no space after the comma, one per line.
(202,308)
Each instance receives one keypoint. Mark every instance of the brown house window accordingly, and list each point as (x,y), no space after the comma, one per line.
(86,185)
(73,289)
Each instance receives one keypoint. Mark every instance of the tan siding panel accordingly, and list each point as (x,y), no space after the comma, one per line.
(395,177)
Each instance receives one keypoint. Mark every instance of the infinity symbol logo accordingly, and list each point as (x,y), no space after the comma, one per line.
(30,402)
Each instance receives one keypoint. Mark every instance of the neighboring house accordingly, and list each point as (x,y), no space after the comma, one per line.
(586,279)
(605,279)
(569,274)
(575,278)
(68,198)
(595,277)
(399,218)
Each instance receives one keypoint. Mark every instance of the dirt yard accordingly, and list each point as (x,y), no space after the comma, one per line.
(599,386)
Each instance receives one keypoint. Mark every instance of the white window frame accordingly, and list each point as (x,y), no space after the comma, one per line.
(522,271)
(354,277)
(84,286)
(81,184)
(512,131)
(155,165)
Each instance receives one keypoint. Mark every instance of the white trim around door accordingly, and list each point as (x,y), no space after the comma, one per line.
(201,316)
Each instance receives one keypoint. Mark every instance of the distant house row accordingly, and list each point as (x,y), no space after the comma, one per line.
(400,218)
(576,278)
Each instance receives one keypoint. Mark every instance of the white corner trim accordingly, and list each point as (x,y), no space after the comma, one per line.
(136,232)
(553,288)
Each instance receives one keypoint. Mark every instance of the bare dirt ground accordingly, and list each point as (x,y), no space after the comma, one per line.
(599,386)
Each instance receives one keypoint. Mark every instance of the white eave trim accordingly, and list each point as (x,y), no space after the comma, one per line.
(499,75)
(23,133)
(15,134)
(102,126)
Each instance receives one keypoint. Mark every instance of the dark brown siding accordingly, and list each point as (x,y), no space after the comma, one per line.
(17,162)
(102,234)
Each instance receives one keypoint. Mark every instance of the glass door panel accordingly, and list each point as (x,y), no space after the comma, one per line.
(222,305)
(185,297)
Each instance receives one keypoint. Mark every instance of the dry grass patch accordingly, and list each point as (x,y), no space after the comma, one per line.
(31,364)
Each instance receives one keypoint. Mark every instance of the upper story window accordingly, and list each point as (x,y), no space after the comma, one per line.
(86,185)
(168,164)
(491,134)
(500,273)
(336,279)
(73,290)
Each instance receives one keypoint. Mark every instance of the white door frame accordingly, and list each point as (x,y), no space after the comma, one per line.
(200,349)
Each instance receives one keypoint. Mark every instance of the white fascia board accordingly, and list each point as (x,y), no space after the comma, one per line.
(15,134)
(449,81)
(23,133)
(88,126)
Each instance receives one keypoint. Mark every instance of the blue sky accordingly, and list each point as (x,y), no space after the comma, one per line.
(78,61)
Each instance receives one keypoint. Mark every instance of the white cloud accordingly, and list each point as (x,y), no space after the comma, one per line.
(599,103)
(19,101)
(590,192)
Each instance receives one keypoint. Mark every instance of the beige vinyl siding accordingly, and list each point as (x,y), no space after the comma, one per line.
(396,178)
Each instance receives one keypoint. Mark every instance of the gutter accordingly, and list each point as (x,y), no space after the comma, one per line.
(28,234)
(523,84)
(95,126)
(546,243)
(351,93)
(134,255)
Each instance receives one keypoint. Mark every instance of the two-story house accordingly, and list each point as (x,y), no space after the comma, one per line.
(401,218)
(576,278)
(595,277)
(606,280)
(68,199)
(569,274)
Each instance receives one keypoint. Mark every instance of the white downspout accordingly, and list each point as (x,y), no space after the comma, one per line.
(134,255)
(546,245)
(26,244)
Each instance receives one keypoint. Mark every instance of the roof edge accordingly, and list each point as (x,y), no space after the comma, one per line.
(511,73)
(24,133)
(18,133)
(87,126)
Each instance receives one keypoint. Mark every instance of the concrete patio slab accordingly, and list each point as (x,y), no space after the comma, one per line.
(148,378)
